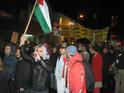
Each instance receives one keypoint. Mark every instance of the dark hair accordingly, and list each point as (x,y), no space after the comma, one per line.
(96,48)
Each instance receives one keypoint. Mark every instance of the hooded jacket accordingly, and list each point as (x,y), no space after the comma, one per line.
(76,74)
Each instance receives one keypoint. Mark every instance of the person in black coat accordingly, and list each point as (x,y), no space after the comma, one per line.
(40,70)
(22,73)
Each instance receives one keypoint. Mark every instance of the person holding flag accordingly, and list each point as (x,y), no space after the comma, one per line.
(40,67)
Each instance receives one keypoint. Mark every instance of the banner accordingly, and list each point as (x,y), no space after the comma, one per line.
(14,37)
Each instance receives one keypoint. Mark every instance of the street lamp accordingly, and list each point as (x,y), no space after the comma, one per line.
(81,16)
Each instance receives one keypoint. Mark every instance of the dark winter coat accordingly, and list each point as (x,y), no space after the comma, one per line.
(4,88)
(40,76)
(22,73)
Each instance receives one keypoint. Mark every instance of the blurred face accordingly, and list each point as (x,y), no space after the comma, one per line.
(54,50)
(105,50)
(7,50)
(83,48)
(18,55)
(39,51)
(62,51)
(80,46)
(91,50)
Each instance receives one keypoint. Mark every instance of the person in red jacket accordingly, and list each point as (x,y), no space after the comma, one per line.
(96,66)
(75,72)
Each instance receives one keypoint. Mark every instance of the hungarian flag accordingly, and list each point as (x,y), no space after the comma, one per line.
(41,12)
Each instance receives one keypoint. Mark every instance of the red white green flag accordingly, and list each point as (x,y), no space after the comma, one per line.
(41,12)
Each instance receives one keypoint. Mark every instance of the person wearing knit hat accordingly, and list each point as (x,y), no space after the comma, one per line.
(71,50)
(75,82)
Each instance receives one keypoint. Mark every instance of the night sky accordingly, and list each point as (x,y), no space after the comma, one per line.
(98,13)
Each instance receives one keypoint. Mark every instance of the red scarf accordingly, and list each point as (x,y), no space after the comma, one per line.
(63,71)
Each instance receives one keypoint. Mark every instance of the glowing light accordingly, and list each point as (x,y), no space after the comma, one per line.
(81,16)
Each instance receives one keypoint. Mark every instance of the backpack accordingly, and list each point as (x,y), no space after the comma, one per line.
(89,77)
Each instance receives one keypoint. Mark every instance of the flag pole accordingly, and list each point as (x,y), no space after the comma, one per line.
(30,17)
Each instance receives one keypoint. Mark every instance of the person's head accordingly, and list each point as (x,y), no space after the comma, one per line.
(42,51)
(93,49)
(82,48)
(54,50)
(105,50)
(18,53)
(63,48)
(7,49)
(71,50)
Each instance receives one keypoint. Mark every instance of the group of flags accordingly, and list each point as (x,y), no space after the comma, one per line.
(41,13)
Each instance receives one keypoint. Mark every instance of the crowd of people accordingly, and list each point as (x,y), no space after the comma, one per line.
(66,68)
